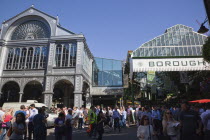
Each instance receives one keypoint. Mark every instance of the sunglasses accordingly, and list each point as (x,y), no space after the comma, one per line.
(168,113)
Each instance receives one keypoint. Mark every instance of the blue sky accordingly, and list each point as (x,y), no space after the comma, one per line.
(112,27)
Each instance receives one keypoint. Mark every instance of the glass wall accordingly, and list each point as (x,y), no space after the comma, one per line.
(107,72)
(178,40)
(26,58)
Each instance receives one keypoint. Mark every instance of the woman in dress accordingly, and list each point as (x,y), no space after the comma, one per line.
(145,130)
(18,127)
(170,126)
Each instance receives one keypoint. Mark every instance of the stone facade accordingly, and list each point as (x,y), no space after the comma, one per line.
(74,73)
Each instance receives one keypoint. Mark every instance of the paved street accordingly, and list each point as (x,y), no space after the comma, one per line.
(125,134)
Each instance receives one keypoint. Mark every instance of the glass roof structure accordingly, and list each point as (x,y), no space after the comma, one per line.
(178,40)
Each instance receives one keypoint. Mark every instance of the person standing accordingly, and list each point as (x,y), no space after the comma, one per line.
(190,123)
(205,116)
(23,110)
(68,130)
(7,117)
(170,126)
(18,127)
(2,132)
(145,130)
(81,115)
(92,120)
(59,126)
(40,129)
(1,114)
(33,111)
(116,117)
(100,124)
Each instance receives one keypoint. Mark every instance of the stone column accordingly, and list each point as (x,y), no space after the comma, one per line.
(48,98)
(88,100)
(20,97)
(78,91)
(78,78)
(78,99)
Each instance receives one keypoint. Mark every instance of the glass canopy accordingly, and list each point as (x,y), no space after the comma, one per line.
(178,40)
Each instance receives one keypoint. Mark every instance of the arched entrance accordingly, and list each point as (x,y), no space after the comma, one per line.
(33,91)
(10,92)
(85,94)
(63,94)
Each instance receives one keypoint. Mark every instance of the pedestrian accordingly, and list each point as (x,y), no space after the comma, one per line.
(81,115)
(100,125)
(33,111)
(170,126)
(7,118)
(156,120)
(92,118)
(39,122)
(68,129)
(145,130)
(205,116)
(116,117)
(18,127)
(1,131)
(59,126)
(190,123)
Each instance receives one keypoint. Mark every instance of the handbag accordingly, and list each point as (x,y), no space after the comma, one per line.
(9,132)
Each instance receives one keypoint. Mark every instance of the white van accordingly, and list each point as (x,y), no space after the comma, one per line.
(16,106)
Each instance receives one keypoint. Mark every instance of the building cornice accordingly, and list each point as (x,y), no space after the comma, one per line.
(27,42)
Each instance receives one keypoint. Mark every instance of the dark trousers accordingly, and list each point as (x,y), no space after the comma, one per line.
(100,134)
(117,123)
(207,135)
(93,130)
(80,123)
(58,136)
(30,130)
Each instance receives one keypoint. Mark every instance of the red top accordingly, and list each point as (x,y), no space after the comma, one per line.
(7,118)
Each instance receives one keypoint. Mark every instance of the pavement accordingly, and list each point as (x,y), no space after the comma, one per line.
(109,134)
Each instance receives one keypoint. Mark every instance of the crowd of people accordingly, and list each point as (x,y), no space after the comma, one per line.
(153,122)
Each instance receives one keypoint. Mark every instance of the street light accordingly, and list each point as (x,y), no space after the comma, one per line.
(203,29)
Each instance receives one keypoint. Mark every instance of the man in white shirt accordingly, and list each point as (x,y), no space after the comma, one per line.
(205,116)
(81,115)
(1,113)
(33,111)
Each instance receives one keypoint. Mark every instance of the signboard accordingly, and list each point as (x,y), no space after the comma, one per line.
(169,64)
(151,77)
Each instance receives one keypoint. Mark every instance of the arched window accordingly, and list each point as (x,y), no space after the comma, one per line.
(43,57)
(36,58)
(73,55)
(66,55)
(58,55)
(23,58)
(9,59)
(29,58)
(16,58)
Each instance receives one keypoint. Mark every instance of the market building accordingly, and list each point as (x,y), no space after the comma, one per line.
(41,60)
(178,49)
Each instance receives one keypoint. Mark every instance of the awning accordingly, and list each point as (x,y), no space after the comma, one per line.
(200,101)
(169,64)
